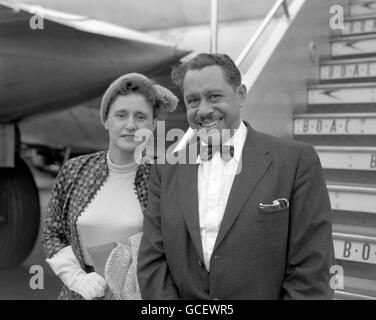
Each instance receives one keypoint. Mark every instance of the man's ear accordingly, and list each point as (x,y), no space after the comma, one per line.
(106,124)
(242,93)
(154,123)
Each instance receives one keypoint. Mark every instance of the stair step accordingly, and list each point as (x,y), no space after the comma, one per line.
(358,270)
(344,93)
(356,288)
(355,251)
(354,197)
(355,230)
(348,69)
(356,46)
(354,219)
(355,247)
(335,124)
(343,295)
(363,288)
(359,25)
(339,176)
(363,8)
(337,140)
(347,158)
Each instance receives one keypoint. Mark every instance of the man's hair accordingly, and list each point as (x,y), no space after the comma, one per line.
(202,60)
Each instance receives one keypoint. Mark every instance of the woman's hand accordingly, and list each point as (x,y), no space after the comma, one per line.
(90,285)
(66,266)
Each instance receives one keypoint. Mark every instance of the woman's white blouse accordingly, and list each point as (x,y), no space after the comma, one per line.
(114,214)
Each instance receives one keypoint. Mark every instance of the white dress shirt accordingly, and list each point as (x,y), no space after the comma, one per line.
(215,178)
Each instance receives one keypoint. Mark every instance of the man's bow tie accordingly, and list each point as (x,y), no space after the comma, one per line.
(207,152)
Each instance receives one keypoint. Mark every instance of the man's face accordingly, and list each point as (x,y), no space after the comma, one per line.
(213,105)
(127,115)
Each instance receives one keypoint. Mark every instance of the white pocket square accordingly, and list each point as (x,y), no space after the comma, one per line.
(280,203)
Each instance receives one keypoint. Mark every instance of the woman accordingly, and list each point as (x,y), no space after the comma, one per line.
(99,198)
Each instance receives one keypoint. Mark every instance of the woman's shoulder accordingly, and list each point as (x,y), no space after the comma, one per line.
(91,157)
(94,160)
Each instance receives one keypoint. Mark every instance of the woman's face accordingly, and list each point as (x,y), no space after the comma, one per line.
(127,115)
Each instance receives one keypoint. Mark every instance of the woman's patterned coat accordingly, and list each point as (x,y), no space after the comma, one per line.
(78,182)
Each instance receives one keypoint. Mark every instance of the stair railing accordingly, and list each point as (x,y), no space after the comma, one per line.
(269,17)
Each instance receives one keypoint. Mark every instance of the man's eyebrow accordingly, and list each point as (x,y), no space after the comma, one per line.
(213,90)
(192,94)
(206,92)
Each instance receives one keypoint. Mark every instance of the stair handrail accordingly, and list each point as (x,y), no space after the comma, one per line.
(252,42)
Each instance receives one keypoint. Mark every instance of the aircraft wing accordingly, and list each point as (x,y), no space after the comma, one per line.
(71,60)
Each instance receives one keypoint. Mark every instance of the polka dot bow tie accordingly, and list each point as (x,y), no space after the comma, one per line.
(207,152)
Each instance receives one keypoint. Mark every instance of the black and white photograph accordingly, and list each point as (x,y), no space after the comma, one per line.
(194,150)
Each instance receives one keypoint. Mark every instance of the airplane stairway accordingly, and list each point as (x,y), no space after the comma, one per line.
(341,123)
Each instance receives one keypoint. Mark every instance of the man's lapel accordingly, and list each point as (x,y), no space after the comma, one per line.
(255,162)
(187,184)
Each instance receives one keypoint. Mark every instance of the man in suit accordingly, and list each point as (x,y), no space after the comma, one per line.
(250,218)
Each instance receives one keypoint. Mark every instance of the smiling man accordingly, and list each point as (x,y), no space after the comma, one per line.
(249,219)
(213,104)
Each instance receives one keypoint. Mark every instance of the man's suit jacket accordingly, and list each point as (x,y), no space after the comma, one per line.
(258,254)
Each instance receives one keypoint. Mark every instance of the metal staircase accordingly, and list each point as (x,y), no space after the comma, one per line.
(341,123)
